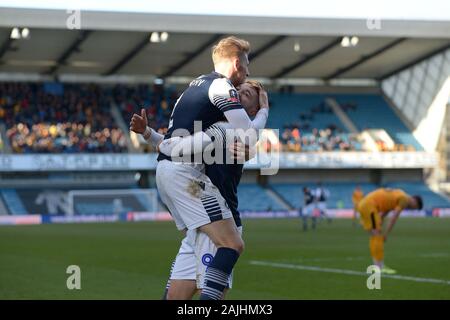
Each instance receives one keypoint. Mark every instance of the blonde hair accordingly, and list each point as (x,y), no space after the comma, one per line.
(230,47)
(255,84)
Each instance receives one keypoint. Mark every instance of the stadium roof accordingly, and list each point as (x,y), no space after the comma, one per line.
(117,43)
(50,51)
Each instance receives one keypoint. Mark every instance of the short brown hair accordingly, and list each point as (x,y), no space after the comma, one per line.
(419,201)
(230,47)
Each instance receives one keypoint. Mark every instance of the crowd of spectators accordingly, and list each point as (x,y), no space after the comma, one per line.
(77,118)
(54,118)
(65,137)
(301,135)
(329,139)
(157,101)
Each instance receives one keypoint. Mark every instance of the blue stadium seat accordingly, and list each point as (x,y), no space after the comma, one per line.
(253,197)
(340,193)
(13,201)
(286,109)
(373,111)
(430,198)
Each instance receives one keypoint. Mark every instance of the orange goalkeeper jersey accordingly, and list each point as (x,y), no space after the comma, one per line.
(386,200)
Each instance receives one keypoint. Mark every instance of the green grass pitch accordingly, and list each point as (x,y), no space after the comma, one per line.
(131,260)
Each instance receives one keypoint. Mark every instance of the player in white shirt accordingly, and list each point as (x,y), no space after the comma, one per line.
(197,249)
(321,196)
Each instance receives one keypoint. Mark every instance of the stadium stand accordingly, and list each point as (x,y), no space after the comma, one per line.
(85,202)
(77,118)
(13,202)
(340,193)
(309,110)
(57,118)
(314,126)
(431,199)
(158,102)
(253,197)
(70,118)
(372,111)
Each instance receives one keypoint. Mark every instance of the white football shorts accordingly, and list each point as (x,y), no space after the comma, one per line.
(190,196)
(195,254)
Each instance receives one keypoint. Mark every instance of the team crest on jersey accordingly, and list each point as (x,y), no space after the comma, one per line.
(207,258)
(234,97)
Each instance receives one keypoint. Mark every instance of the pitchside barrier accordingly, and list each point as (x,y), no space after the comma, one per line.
(165,216)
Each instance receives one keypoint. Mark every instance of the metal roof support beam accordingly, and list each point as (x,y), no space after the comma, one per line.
(267,46)
(307,59)
(416,61)
(75,46)
(129,56)
(6,46)
(191,56)
(364,59)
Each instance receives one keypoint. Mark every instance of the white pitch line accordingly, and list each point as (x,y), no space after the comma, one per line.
(329,259)
(343,271)
(435,255)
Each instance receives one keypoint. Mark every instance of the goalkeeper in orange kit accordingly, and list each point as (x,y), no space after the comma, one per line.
(374,208)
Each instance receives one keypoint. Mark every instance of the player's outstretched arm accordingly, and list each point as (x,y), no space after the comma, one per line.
(138,124)
(178,146)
